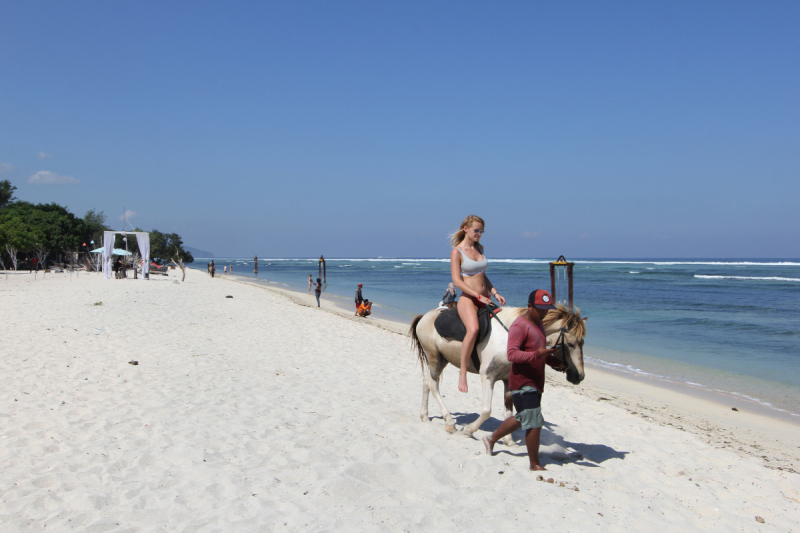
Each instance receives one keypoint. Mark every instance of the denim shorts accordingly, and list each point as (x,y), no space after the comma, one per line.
(528,404)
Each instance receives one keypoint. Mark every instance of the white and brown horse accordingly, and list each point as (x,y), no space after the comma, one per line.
(435,352)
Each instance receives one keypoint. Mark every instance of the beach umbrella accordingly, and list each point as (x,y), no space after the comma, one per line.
(117,251)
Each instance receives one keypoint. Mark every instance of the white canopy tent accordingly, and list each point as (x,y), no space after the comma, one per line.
(142,239)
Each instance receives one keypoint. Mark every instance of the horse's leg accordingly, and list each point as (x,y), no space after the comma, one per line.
(487,386)
(436,369)
(509,406)
(426,391)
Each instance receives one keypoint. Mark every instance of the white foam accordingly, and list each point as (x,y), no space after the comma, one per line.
(755,278)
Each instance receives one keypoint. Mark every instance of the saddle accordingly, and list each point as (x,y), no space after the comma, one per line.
(449,325)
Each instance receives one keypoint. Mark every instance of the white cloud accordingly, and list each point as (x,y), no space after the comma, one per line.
(128,214)
(530,234)
(44,155)
(7,168)
(45,177)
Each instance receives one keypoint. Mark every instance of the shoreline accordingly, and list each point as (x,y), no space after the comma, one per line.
(721,399)
(705,375)
(703,413)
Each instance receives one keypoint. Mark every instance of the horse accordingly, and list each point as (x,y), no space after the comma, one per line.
(435,352)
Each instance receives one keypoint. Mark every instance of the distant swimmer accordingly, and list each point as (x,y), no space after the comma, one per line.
(310,283)
(468,269)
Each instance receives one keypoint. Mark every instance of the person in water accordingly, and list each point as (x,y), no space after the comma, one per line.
(468,270)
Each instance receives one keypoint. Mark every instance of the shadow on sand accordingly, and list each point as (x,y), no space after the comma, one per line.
(590,455)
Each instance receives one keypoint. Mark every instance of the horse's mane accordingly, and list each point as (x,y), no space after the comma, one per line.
(572,320)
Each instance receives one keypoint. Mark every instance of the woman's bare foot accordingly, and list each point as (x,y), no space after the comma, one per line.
(537,468)
(487,441)
(462,382)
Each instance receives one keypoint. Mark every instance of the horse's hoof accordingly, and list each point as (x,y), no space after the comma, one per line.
(450,428)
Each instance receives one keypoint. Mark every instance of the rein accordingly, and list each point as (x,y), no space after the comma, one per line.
(489,307)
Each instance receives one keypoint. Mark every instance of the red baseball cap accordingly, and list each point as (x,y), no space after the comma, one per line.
(541,299)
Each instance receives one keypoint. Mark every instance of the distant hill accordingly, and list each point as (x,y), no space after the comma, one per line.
(196,252)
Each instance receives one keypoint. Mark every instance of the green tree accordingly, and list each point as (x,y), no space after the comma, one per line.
(164,245)
(95,226)
(6,193)
(49,225)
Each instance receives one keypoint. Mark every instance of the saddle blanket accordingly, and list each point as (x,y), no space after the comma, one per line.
(449,325)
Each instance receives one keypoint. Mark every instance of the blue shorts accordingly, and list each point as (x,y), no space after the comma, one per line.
(528,404)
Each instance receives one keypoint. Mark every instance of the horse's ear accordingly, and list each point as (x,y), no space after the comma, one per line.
(584,319)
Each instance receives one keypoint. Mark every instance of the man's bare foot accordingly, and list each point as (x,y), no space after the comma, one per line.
(487,441)
(462,383)
(537,468)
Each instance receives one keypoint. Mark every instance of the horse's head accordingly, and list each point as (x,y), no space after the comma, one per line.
(574,331)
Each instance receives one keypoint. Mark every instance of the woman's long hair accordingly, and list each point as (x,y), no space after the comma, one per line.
(457,237)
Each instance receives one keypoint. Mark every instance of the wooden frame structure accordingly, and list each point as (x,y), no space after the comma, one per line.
(561,281)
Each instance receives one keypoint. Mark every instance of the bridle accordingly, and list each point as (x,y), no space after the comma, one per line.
(564,349)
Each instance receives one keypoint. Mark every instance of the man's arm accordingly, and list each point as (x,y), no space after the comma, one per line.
(516,340)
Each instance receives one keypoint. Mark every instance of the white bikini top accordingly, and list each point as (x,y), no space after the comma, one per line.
(470,267)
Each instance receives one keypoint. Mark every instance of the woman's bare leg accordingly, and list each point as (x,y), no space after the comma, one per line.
(469,316)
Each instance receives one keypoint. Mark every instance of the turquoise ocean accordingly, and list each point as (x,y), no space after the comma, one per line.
(726,327)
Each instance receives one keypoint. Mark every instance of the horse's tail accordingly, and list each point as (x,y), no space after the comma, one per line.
(415,344)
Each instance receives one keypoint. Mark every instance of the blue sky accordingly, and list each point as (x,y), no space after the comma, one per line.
(352,129)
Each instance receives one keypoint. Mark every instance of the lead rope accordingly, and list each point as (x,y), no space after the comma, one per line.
(495,316)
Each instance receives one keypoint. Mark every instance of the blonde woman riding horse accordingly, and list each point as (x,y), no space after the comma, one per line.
(468,269)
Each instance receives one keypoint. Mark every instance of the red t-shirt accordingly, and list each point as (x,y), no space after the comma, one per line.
(524,341)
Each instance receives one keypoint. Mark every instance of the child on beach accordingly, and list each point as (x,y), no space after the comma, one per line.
(528,354)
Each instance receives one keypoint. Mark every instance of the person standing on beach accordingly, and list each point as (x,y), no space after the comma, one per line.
(468,270)
(310,283)
(528,353)
(359,297)
(318,289)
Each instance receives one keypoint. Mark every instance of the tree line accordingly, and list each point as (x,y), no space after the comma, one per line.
(47,231)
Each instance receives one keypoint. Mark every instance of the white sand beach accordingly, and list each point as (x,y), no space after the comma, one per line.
(263,413)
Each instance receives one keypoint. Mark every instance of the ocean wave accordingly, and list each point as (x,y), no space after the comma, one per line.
(634,272)
(752,278)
